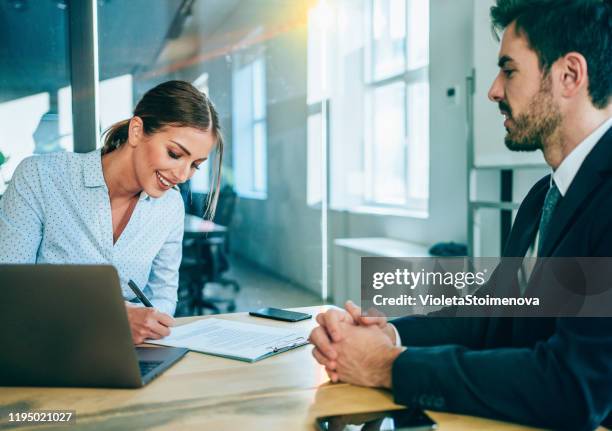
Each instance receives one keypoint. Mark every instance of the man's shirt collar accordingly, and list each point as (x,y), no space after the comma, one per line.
(567,170)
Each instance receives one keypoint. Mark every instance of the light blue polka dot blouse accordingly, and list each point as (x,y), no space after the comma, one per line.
(57,210)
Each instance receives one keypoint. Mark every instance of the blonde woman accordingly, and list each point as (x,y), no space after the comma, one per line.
(119,205)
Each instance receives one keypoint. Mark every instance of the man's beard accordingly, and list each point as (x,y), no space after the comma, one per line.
(533,129)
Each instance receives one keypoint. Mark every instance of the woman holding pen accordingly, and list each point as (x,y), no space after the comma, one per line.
(119,205)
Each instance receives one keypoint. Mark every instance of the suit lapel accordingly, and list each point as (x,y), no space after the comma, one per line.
(589,176)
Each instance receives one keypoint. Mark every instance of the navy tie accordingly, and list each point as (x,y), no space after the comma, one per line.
(550,203)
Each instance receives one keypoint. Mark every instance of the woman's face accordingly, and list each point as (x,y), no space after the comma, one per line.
(170,157)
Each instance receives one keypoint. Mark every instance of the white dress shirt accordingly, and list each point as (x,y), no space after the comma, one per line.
(569,167)
(567,170)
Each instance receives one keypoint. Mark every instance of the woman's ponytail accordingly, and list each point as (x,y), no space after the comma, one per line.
(115,136)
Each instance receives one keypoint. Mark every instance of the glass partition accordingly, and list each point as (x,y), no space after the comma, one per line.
(250,57)
(324,106)
(35,100)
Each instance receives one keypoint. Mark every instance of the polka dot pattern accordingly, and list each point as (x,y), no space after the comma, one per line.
(57,210)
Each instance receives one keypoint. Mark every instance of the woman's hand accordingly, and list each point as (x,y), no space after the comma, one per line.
(148,323)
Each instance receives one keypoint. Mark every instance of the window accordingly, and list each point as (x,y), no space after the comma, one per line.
(200,181)
(116,101)
(388,37)
(319,18)
(314,185)
(378,107)
(34,66)
(385,156)
(249,128)
(396,147)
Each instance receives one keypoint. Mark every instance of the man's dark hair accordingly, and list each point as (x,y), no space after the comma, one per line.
(554,28)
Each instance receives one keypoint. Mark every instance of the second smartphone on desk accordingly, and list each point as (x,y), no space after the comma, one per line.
(278,314)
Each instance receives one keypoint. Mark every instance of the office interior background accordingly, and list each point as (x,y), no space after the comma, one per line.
(352,127)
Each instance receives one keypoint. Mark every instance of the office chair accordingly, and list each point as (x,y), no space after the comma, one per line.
(205,259)
(224,216)
(199,267)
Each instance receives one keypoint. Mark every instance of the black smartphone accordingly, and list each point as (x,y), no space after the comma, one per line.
(388,420)
(278,314)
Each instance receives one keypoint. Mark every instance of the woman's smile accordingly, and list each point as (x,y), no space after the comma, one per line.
(164,183)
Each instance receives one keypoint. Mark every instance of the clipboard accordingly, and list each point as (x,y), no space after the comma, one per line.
(241,341)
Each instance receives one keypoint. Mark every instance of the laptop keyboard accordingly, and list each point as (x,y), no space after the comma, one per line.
(146,366)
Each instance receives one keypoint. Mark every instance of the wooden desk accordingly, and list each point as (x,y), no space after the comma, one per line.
(285,392)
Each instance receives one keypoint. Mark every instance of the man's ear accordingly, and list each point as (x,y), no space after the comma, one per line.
(135,131)
(573,74)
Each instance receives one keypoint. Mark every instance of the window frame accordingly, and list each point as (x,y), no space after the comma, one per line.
(250,60)
(408,77)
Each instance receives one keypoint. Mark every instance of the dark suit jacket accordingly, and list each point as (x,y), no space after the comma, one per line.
(548,372)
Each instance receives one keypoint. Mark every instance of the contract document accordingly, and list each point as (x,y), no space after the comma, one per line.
(235,340)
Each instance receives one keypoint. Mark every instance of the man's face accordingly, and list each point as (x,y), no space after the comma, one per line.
(524,95)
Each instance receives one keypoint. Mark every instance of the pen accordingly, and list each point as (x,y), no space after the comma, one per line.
(141,296)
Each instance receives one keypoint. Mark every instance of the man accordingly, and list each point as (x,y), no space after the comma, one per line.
(555,90)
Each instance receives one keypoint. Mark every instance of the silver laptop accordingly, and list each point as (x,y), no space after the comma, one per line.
(66,325)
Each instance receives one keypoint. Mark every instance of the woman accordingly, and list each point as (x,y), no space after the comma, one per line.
(119,205)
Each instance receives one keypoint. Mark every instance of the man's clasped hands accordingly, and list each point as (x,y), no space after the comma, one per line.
(354,348)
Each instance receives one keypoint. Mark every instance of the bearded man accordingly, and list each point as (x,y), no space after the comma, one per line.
(555,89)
